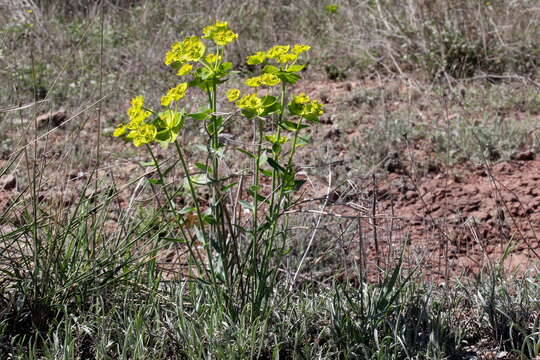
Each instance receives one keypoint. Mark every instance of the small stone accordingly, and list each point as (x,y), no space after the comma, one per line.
(409,195)
(523,156)
(51,119)
(8,182)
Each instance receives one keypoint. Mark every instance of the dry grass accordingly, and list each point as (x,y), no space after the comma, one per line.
(392,73)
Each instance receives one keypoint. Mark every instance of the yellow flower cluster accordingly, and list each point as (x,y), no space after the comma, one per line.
(174,94)
(277,50)
(233,94)
(264,79)
(140,132)
(306,107)
(256,58)
(212,58)
(299,48)
(191,49)
(219,33)
(144,134)
(251,102)
(184,70)
(279,53)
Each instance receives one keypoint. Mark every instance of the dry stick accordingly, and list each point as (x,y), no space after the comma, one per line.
(35,140)
(340,216)
(498,192)
(32,179)
(373,222)
(504,77)
(446,239)
(315,230)
(420,195)
(362,268)
(21,107)
(98,132)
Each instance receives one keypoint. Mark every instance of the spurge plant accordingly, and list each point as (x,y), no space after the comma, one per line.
(243,228)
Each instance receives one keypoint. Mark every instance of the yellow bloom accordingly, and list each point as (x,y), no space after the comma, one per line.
(233,94)
(222,38)
(312,108)
(301,99)
(277,50)
(209,30)
(299,48)
(174,94)
(190,49)
(137,118)
(256,58)
(166,100)
(194,48)
(212,58)
(136,113)
(137,102)
(285,58)
(331,8)
(120,129)
(269,79)
(219,33)
(174,53)
(253,82)
(144,134)
(275,140)
(184,70)
(250,102)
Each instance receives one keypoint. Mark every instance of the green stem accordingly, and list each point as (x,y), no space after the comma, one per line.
(171,206)
(196,203)
(278,153)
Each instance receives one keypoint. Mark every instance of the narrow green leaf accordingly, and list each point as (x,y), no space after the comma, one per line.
(273,163)
(246,205)
(269,69)
(295,68)
(227,187)
(245,152)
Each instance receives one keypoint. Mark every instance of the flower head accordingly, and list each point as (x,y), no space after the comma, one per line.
(287,58)
(250,102)
(233,94)
(253,82)
(174,94)
(331,8)
(301,99)
(277,50)
(184,70)
(269,79)
(303,106)
(137,102)
(136,113)
(313,108)
(194,48)
(264,79)
(144,134)
(190,49)
(212,58)
(299,48)
(256,58)
(120,130)
(220,33)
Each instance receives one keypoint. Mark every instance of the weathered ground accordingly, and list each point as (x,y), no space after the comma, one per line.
(450,217)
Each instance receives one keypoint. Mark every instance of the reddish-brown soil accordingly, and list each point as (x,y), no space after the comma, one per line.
(454,221)
(450,221)
(460,224)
